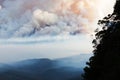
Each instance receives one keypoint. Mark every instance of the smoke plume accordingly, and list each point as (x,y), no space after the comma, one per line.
(34,18)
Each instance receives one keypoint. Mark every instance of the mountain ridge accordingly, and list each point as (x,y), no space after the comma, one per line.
(45,69)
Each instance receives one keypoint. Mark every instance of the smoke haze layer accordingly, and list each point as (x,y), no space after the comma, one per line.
(35,18)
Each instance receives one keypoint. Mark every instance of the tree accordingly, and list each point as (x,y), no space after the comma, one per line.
(105,63)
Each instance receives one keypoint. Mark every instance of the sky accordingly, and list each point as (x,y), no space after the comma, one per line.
(48,28)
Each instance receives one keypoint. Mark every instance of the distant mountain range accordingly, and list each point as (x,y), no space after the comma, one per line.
(69,68)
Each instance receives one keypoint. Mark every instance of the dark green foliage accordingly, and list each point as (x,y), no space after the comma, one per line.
(105,64)
(117,9)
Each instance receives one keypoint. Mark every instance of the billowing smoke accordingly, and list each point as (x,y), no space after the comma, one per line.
(34,18)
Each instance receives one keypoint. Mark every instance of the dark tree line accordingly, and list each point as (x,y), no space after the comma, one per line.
(105,63)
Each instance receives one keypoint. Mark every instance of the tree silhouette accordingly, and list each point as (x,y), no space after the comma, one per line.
(105,63)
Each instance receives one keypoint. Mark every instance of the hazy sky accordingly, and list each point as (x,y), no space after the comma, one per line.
(48,28)
(48,49)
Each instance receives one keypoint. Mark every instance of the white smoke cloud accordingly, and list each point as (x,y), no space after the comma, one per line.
(0,7)
(34,18)
(44,18)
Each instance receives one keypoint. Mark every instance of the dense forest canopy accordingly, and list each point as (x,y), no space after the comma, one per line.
(105,64)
